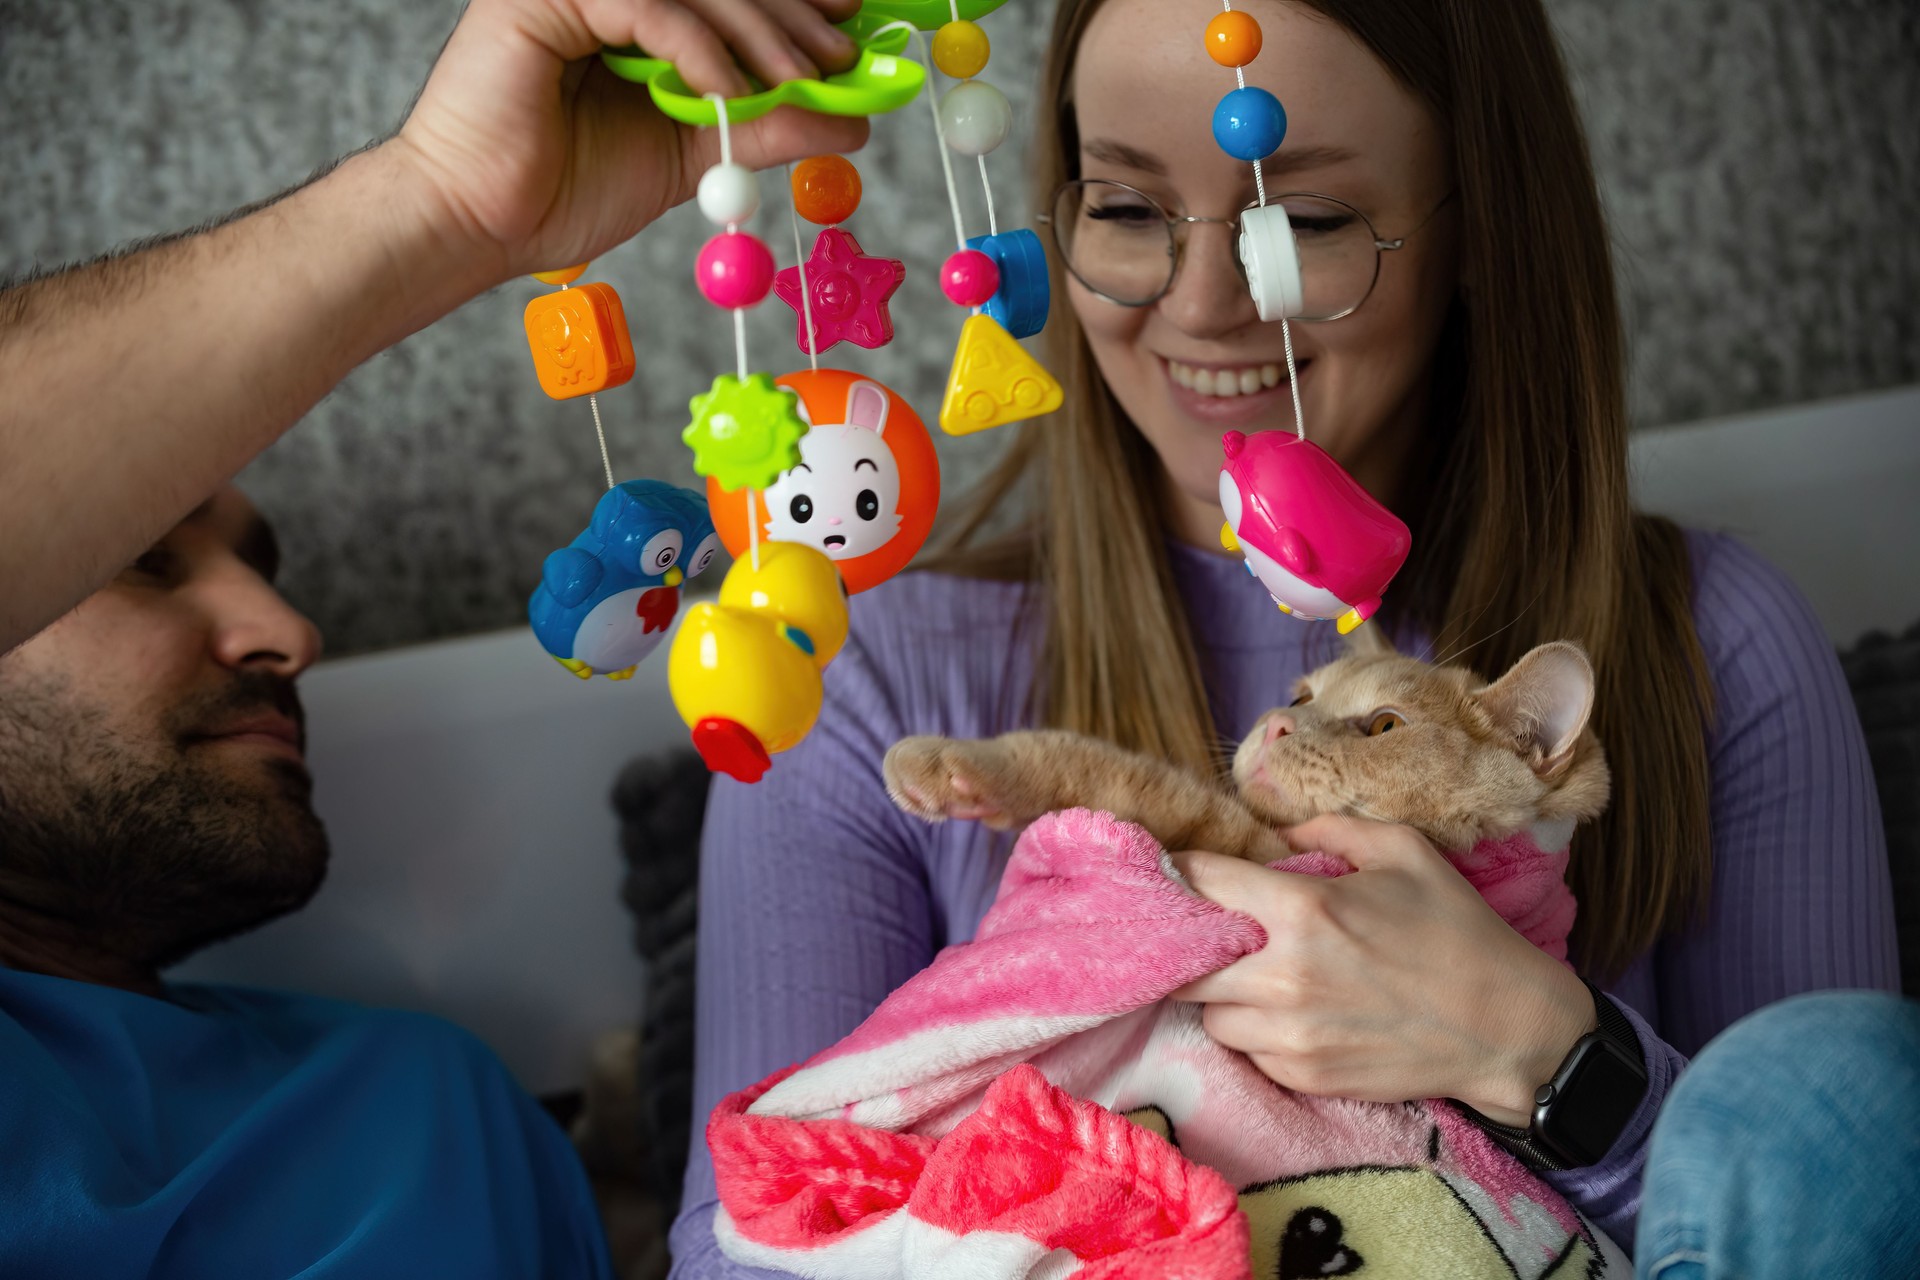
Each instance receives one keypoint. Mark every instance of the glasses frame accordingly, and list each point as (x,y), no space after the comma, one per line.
(1177,222)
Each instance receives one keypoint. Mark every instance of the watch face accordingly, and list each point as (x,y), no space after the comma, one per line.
(1595,1095)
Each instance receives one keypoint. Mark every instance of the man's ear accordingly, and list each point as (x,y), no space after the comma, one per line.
(1543,704)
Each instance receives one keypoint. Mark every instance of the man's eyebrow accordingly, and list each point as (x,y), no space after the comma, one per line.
(1285,160)
(259,548)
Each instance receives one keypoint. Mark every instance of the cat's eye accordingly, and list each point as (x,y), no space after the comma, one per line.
(801,509)
(1306,696)
(1383,721)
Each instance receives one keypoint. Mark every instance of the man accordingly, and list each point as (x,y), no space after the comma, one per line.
(153,799)
(153,795)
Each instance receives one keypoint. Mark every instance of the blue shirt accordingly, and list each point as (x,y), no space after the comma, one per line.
(236,1133)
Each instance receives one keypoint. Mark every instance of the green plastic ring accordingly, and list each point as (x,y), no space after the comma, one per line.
(880,81)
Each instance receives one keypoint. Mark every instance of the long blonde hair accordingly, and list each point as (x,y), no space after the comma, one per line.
(1526,441)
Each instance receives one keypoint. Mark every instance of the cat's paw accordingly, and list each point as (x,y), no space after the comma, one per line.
(940,778)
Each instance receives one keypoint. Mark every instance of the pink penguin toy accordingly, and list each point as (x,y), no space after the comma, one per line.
(1319,543)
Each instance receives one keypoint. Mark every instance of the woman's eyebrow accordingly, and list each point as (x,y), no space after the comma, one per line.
(1285,160)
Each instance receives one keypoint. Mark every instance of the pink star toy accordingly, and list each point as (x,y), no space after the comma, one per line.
(847,293)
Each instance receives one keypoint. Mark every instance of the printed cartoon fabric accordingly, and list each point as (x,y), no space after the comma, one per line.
(1032,1105)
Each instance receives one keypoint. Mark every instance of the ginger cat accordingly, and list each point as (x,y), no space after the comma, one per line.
(1374,734)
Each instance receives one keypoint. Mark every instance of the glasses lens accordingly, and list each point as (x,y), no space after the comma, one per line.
(1338,257)
(1115,240)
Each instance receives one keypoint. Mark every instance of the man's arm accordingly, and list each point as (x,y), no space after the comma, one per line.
(132,388)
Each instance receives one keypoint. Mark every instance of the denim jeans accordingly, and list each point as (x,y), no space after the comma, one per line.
(1791,1147)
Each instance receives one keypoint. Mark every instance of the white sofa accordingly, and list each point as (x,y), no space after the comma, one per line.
(466,783)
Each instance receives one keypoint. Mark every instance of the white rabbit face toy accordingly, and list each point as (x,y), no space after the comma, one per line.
(844,497)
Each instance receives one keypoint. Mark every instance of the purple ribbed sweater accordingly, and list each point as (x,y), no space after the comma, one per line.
(818,897)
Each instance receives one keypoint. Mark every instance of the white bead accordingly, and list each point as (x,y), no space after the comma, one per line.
(975,117)
(728,194)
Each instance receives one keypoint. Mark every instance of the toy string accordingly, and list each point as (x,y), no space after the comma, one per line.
(939,132)
(753,532)
(806,298)
(739,315)
(593,403)
(993,225)
(1286,330)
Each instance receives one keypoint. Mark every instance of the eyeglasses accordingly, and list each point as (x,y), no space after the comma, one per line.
(1123,245)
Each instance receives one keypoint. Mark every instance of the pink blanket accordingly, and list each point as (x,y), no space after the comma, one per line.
(1032,1105)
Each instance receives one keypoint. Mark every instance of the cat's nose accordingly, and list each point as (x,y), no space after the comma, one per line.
(833,519)
(1279,725)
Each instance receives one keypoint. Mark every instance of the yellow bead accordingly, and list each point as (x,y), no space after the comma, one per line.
(565,275)
(960,50)
(1233,38)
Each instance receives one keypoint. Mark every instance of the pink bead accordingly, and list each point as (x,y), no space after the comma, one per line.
(734,270)
(969,278)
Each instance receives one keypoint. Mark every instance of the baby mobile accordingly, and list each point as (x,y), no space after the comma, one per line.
(821,482)
(1323,547)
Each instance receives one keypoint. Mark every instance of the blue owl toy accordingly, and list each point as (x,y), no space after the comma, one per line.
(607,600)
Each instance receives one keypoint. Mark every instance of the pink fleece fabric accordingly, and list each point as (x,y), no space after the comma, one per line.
(976,1116)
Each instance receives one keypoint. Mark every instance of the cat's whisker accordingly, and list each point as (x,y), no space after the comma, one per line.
(1467,646)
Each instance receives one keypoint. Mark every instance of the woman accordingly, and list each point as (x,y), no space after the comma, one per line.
(1477,389)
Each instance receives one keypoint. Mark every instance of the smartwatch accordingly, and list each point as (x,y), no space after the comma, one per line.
(1580,1113)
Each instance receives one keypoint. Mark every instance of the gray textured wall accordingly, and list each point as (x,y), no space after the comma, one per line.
(1761,161)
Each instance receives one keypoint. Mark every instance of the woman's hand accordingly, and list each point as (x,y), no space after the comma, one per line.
(1392,983)
(536,157)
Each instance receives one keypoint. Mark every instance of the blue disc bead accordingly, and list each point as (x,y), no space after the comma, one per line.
(1249,124)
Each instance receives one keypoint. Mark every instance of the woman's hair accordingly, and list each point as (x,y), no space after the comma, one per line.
(1526,445)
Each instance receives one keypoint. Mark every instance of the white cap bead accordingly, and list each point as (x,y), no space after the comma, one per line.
(728,195)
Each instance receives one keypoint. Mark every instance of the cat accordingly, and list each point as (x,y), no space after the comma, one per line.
(1373,734)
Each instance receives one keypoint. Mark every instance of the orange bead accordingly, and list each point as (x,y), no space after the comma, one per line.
(826,189)
(1233,38)
(565,275)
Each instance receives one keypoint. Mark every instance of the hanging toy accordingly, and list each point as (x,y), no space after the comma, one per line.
(1323,546)
(1000,277)
(606,600)
(745,672)
(745,431)
(837,293)
(868,490)
(1319,543)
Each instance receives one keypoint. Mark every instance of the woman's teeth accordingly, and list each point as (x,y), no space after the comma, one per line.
(1243,381)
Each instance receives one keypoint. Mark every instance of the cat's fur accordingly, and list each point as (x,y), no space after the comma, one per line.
(1470,761)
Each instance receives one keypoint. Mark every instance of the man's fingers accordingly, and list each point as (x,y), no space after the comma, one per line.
(781,136)
(667,29)
(759,40)
(829,49)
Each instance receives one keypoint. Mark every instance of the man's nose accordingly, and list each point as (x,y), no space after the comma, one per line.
(255,627)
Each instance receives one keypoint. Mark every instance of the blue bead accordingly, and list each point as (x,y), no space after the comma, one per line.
(1249,124)
(1020,305)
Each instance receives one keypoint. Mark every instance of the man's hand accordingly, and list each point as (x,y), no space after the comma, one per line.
(540,157)
(523,154)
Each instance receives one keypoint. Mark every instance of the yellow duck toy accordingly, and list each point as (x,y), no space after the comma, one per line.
(745,673)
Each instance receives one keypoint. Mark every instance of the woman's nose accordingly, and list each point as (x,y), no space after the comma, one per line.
(1209,296)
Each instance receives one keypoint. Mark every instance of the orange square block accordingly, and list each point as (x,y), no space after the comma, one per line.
(579,340)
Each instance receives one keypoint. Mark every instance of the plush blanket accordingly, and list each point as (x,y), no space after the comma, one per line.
(1032,1105)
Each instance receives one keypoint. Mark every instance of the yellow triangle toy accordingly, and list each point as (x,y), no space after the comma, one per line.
(994,381)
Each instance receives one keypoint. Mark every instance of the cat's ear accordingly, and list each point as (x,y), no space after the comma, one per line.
(1369,640)
(867,405)
(1543,703)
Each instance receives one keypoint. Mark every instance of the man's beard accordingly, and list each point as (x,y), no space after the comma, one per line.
(151,855)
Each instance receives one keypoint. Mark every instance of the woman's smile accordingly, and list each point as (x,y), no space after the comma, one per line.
(1244,395)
